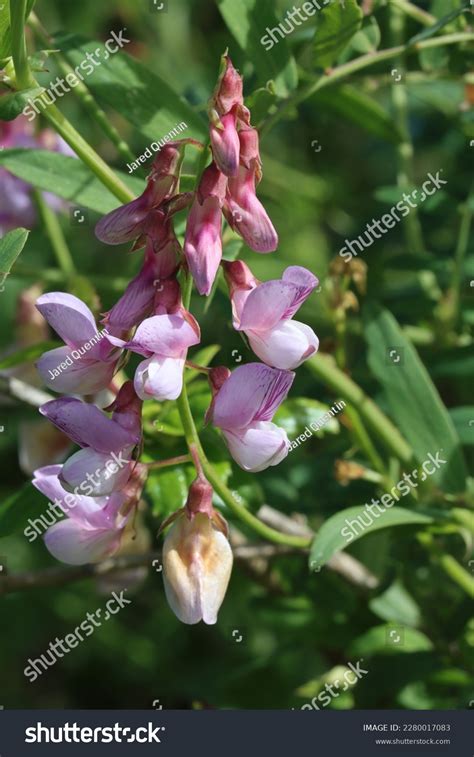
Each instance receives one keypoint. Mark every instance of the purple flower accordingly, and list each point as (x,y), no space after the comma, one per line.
(203,241)
(225,142)
(129,221)
(243,210)
(94,526)
(244,404)
(104,463)
(264,312)
(164,340)
(87,363)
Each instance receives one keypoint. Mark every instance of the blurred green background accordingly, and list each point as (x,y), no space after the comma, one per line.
(297,625)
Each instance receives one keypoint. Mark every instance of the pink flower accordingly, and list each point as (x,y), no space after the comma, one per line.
(164,340)
(104,463)
(264,312)
(225,142)
(242,209)
(137,301)
(94,526)
(203,241)
(244,404)
(87,363)
(129,221)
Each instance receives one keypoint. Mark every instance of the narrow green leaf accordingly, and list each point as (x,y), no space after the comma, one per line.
(16,509)
(202,357)
(139,95)
(10,247)
(356,106)
(336,534)
(463,419)
(66,177)
(27,354)
(336,25)
(248,21)
(389,639)
(413,399)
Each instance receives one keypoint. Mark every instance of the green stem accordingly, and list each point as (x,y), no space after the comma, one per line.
(414,12)
(458,574)
(179,460)
(460,254)
(364,61)
(85,152)
(83,94)
(193,441)
(23,77)
(364,440)
(56,236)
(324,367)
(405,152)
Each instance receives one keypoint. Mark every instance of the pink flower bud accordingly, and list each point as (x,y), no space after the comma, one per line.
(225,143)
(203,241)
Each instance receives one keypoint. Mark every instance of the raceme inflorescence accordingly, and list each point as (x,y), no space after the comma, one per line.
(99,487)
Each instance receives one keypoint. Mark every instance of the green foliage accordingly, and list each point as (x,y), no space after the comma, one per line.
(335,27)
(11,246)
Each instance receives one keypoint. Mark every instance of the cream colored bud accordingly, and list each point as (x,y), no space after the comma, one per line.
(197,562)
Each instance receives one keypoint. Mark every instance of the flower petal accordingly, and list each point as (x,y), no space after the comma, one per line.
(285,346)
(252,392)
(80,376)
(68,316)
(69,542)
(101,469)
(87,426)
(258,446)
(160,377)
(166,335)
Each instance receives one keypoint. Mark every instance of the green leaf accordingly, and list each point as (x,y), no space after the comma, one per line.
(139,95)
(12,105)
(463,419)
(336,25)
(5,41)
(248,21)
(355,105)
(16,509)
(27,354)
(10,247)
(389,639)
(397,605)
(167,490)
(201,357)
(331,539)
(298,413)
(367,39)
(413,399)
(66,177)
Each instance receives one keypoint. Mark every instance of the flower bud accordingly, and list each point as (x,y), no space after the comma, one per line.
(197,562)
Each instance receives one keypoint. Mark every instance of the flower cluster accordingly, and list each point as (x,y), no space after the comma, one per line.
(151,320)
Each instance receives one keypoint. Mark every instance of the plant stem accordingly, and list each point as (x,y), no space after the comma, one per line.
(414,12)
(458,574)
(460,254)
(363,61)
(233,503)
(405,153)
(83,94)
(364,440)
(325,368)
(179,460)
(23,77)
(56,236)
